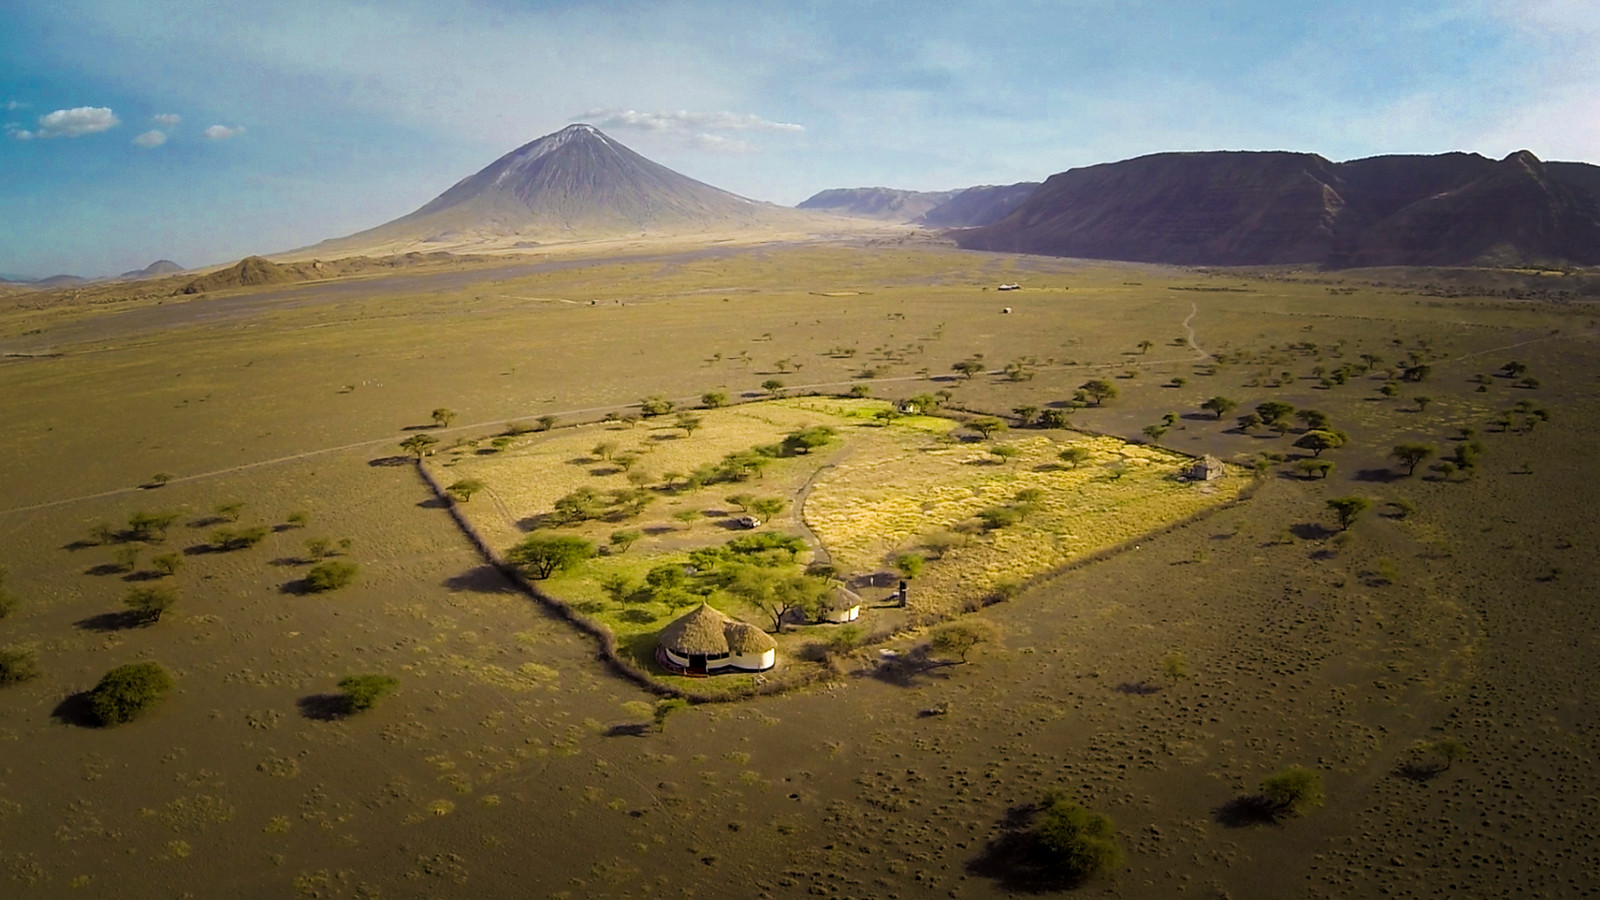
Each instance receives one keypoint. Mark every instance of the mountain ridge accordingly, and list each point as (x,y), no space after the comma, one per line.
(1281,207)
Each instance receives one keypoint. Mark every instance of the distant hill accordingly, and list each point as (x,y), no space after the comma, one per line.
(936,209)
(155,269)
(1266,208)
(884,204)
(247,272)
(576,183)
(978,205)
(57,281)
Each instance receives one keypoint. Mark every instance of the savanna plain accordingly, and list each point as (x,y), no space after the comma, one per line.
(1429,654)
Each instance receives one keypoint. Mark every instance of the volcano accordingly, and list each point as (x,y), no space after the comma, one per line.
(575,184)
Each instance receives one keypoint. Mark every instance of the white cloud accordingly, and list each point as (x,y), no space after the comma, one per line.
(684,121)
(223,132)
(716,143)
(166,120)
(150,139)
(15,104)
(70,123)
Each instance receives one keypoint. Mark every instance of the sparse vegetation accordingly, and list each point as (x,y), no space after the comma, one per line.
(330,576)
(126,692)
(362,692)
(1294,791)
(17,666)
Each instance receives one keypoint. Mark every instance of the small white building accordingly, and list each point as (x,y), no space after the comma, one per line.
(1010,286)
(843,605)
(706,640)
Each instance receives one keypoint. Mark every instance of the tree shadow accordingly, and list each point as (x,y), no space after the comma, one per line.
(75,710)
(81,544)
(299,587)
(1137,688)
(106,623)
(1245,812)
(536,522)
(1381,476)
(109,568)
(1419,772)
(1312,531)
(433,503)
(429,427)
(481,580)
(1015,862)
(324,707)
(287,561)
(143,575)
(630,729)
(207,521)
(389,461)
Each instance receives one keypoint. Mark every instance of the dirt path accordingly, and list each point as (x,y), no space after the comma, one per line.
(1188,326)
(819,553)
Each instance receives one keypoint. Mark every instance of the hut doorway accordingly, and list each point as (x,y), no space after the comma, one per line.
(697,664)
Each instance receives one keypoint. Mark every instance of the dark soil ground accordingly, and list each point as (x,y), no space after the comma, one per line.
(507,765)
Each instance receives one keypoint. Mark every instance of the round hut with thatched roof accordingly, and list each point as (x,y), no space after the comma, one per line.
(705,641)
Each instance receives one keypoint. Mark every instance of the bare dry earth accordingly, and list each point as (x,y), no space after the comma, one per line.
(490,772)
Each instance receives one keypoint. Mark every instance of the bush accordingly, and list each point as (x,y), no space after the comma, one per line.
(17,666)
(148,603)
(330,576)
(362,692)
(8,601)
(1293,791)
(127,691)
(1078,842)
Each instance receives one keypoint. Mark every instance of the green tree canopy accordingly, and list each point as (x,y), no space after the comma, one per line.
(542,555)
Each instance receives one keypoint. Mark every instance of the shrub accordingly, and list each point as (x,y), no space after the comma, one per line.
(8,601)
(127,691)
(1077,842)
(362,692)
(330,576)
(148,603)
(1293,791)
(17,666)
(960,637)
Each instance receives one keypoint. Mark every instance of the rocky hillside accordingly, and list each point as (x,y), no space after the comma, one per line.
(1266,208)
(980,205)
(884,204)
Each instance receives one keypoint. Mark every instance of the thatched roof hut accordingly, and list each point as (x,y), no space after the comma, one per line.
(705,640)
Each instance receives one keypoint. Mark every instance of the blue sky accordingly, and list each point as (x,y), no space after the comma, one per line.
(203,132)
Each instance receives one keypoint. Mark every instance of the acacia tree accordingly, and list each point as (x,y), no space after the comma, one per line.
(1318,441)
(960,637)
(542,555)
(442,417)
(148,603)
(986,426)
(713,399)
(463,490)
(1220,405)
(772,386)
(1074,456)
(1348,508)
(1098,391)
(419,445)
(1273,411)
(968,367)
(1412,455)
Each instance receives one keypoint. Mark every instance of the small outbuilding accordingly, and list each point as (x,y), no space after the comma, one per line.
(705,640)
(1010,286)
(1207,468)
(843,605)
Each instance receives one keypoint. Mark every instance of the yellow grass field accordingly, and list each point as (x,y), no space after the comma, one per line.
(875,492)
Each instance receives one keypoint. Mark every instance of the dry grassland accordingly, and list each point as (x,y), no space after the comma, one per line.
(495,769)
